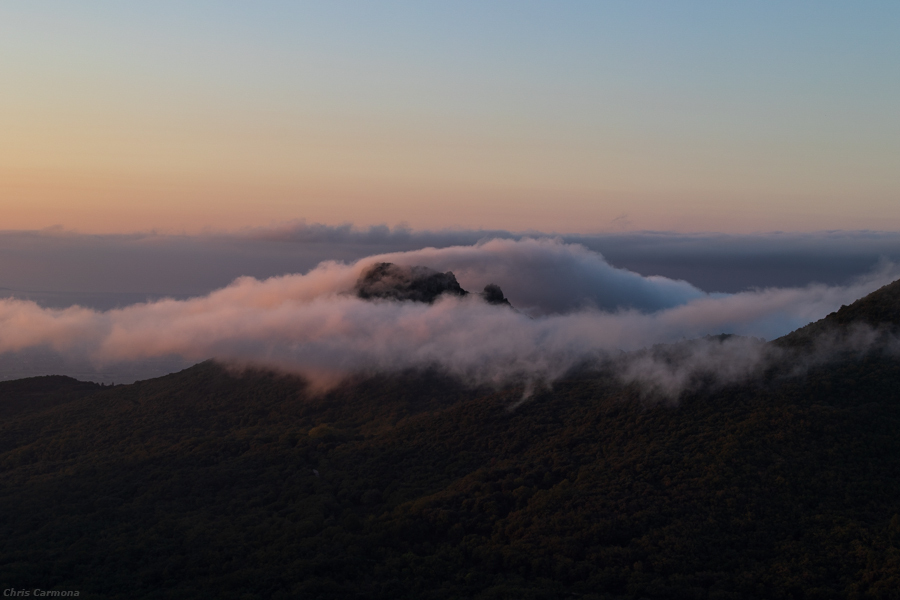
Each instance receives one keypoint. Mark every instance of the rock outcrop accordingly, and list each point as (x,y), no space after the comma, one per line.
(416,284)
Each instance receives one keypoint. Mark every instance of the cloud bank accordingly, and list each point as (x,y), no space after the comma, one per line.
(59,269)
(574,307)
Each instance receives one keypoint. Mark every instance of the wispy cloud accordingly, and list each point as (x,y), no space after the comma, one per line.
(575,307)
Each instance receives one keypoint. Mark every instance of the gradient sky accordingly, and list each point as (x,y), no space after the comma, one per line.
(552,116)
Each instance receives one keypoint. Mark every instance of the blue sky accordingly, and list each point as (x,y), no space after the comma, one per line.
(573,117)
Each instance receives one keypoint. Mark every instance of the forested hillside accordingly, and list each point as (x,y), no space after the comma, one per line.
(211,483)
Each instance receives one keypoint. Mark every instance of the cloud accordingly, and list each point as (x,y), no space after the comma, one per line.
(547,276)
(577,308)
(666,371)
(59,269)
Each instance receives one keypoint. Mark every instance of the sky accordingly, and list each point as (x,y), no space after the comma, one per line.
(557,117)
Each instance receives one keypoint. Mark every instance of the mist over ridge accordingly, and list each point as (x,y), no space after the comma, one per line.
(573,307)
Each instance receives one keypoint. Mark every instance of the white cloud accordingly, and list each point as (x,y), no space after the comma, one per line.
(578,308)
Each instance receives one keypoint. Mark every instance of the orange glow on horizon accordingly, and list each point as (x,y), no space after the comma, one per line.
(102,204)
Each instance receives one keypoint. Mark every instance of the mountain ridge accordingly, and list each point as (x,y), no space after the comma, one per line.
(247,484)
(879,310)
(416,284)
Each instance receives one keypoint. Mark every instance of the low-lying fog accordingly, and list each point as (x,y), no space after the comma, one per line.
(572,303)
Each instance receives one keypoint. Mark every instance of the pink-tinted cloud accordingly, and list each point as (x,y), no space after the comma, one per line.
(576,307)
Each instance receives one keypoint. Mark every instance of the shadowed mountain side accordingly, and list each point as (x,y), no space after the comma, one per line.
(211,482)
(878,312)
(492,294)
(412,487)
(880,307)
(417,284)
(37,393)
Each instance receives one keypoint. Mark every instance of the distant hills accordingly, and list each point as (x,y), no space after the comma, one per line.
(213,483)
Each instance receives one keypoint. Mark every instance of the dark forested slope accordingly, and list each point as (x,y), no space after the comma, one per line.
(208,483)
(878,311)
